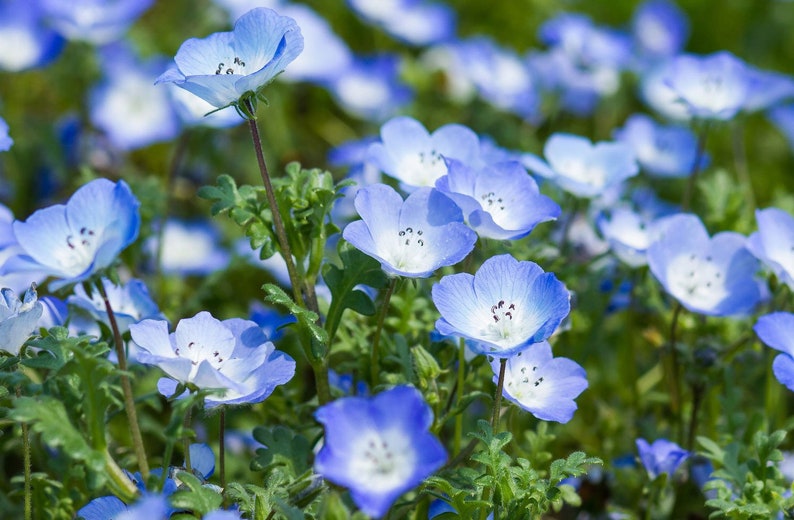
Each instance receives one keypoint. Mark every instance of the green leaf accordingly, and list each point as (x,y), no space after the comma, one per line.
(283,448)
(193,496)
(306,318)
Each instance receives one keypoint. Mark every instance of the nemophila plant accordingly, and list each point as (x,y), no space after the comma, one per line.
(5,138)
(18,318)
(661,456)
(773,243)
(775,331)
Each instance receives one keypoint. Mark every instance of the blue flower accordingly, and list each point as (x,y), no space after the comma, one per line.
(713,276)
(125,105)
(662,151)
(629,233)
(370,87)
(413,237)
(776,330)
(659,28)
(658,95)
(503,308)
(500,201)
(130,302)
(73,241)
(581,168)
(18,319)
(412,21)
(415,157)
(541,384)
(95,21)
(782,117)
(224,66)
(232,355)
(378,447)
(662,456)
(773,243)
(27,40)
(5,139)
(189,248)
(711,87)
(766,89)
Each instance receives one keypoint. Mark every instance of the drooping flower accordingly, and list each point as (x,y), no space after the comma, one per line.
(713,276)
(378,447)
(18,318)
(415,157)
(503,308)
(95,21)
(225,66)
(130,302)
(543,385)
(776,330)
(411,237)
(232,355)
(73,241)
(773,243)
(581,168)
(500,201)
(662,151)
(662,456)
(711,87)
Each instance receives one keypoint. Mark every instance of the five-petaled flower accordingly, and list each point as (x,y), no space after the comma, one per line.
(662,456)
(225,66)
(378,447)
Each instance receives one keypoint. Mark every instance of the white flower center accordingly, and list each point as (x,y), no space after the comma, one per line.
(697,281)
(526,385)
(386,460)
(422,168)
(408,252)
(231,66)
(79,252)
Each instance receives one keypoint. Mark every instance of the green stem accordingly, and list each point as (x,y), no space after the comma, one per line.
(26,463)
(384,310)
(740,160)
(126,386)
(278,223)
(497,398)
(673,371)
(461,379)
(186,442)
(689,191)
(120,484)
(697,398)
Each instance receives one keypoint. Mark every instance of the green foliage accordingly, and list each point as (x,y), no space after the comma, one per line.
(283,448)
(747,482)
(192,495)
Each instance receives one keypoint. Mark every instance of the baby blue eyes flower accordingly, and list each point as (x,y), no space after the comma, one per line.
(95,21)
(73,241)
(500,201)
(503,308)
(712,87)
(659,28)
(628,233)
(773,243)
(130,303)
(776,330)
(543,385)
(415,157)
(232,355)
(27,40)
(225,66)
(581,168)
(662,456)
(413,237)
(378,447)
(662,151)
(416,23)
(18,319)
(713,276)
(5,139)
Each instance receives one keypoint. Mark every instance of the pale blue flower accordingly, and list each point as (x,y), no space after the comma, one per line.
(776,330)
(628,233)
(541,384)
(659,96)
(500,201)
(766,89)
(231,355)
(27,40)
(707,275)
(370,87)
(659,29)
(5,139)
(662,456)
(194,111)
(95,21)
(413,237)
(773,243)
(355,156)
(18,318)
(415,157)
(782,117)
(224,66)
(378,447)
(711,87)
(415,22)
(125,105)
(190,248)
(503,308)
(73,241)
(662,151)
(130,302)
(581,168)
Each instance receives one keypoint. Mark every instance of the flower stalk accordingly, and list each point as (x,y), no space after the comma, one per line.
(375,356)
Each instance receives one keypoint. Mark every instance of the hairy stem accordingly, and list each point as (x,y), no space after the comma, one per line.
(375,356)
(689,191)
(461,380)
(126,386)
(497,398)
(222,447)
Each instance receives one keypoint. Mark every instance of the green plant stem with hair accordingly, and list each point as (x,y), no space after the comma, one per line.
(319,366)
(461,381)
(375,355)
(126,386)
(186,441)
(222,446)
(497,398)
(672,371)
